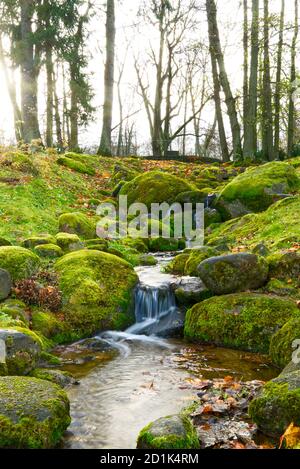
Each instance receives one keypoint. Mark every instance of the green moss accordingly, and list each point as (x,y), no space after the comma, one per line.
(48,250)
(16,310)
(34,414)
(75,165)
(19,162)
(77,223)
(257,187)
(48,325)
(147,260)
(4,242)
(277,225)
(155,187)
(196,257)
(276,408)
(284,265)
(97,290)
(169,433)
(178,265)
(245,321)
(164,244)
(19,262)
(281,347)
(68,242)
(33,241)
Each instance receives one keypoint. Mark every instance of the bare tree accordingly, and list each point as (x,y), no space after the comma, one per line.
(277,97)
(293,85)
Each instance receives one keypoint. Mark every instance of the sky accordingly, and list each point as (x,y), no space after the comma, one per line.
(137,40)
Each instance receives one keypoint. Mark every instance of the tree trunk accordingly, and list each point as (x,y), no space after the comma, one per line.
(267,118)
(74,143)
(250,130)
(50,94)
(277,97)
(11,87)
(29,75)
(291,119)
(105,144)
(158,146)
(59,136)
(246,64)
(230,100)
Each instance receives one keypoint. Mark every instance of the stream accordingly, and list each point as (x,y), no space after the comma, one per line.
(129,379)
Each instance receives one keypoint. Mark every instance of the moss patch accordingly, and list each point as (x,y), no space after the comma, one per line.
(19,262)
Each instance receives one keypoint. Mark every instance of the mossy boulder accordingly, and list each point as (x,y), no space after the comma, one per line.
(155,187)
(50,326)
(5,284)
(234,273)
(61,378)
(18,161)
(22,350)
(76,165)
(196,256)
(16,310)
(192,197)
(34,414)
(177,265)
(284,265)
(147,260)
(245,321)
(257,188)
(77,223)
(281,347)
(69,242)
(211,217)
(277,405)
(19,262)
(51,251)
(174,432)
(191,291)
(33,241)
(97,290)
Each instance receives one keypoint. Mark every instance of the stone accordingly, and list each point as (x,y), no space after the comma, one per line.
(22,350)
(5,284)
(234,273)
(190,291)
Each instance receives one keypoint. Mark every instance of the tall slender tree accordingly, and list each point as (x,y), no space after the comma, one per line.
(278,91)
(106,143)
(293,84)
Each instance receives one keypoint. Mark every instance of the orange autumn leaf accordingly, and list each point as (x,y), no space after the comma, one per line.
(291,437)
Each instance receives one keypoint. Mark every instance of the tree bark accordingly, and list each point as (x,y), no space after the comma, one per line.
(267,118)
(293,77)
(105,144)
(250,130)
(277,97)
(50,94)
(246,63)
(230,100)
(29,75)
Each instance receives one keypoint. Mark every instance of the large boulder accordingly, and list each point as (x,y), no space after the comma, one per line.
(190,291)
(22,350)
(284,265)
(34,414)
(196,256)
(281,347)
(51,251)
(77,223)
(155,187)
(234,273)
(34,241)
(5,284)
(19,262)
(245,321)
(69,242)
(257,188)
(177,265)
(174,432)
(97,290)
(277,405)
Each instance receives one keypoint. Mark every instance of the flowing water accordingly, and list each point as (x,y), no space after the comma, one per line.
(133,378)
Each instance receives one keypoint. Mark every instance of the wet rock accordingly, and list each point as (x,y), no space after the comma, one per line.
(233,273)
(61,378)
(168,433)
(34,414)
(5,284)
(22,351)
(190,291)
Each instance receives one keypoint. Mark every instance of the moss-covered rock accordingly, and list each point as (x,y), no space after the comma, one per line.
(51,251)
(77,223)
(15,309)
(211,217)
(22,350)
(277,405)
(245,321)
(19,262)
(258,188)
(164,244)
(155,187)
(191,291)
(192,197)
(76,165)
(18,161)
(147,260)
(97,291)
(5,284)
(234,273)
(174,432)
(177,265)
(284,265)
(48,325)
(34,414)
(61,378)
(281,347)
(4,242)
(33,241)
(69,242)
(196,257)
